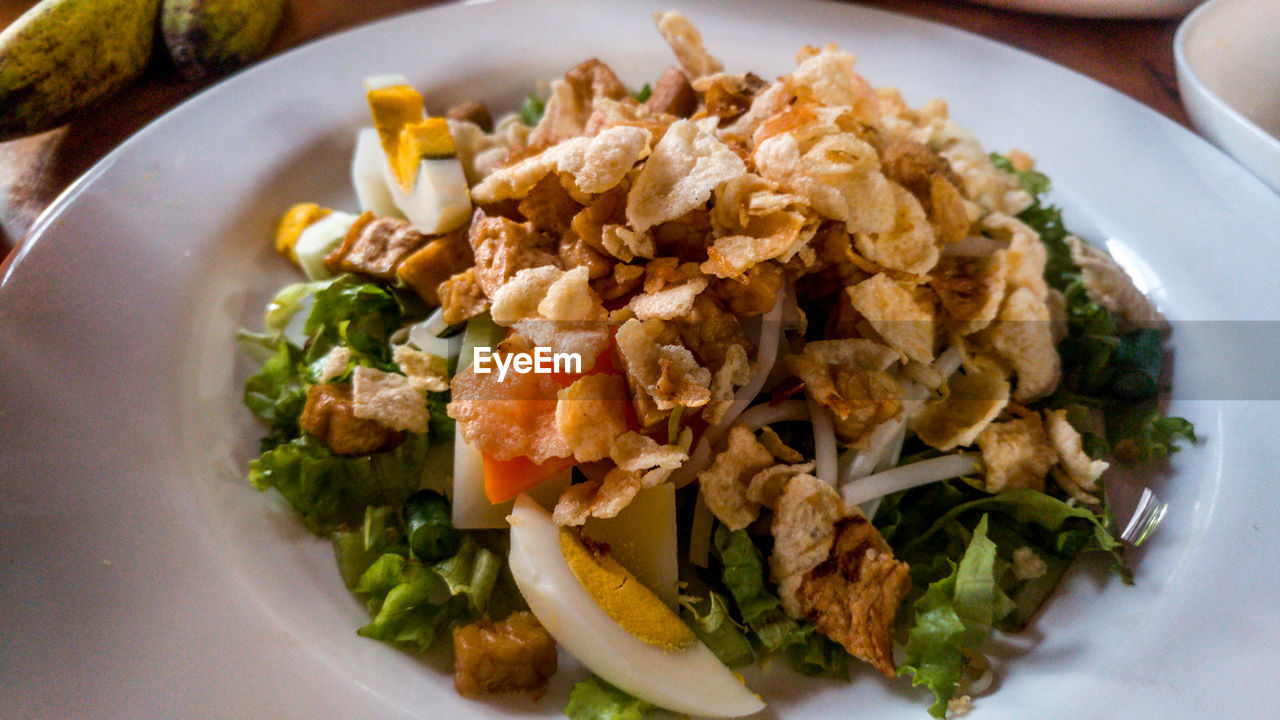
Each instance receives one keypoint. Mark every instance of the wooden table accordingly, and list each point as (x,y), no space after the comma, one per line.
(1134,57)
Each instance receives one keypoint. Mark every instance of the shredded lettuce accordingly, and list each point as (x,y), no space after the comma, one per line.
(278,392)
(412,605)
(595,699)
(1147,435)
(1102,369)
(356,550)
(1023,516)
(532,109)
(715,627)
(360,315)
(820,656)
(407,604)
(956,612)
(330,490)
(759,610)
(744,576)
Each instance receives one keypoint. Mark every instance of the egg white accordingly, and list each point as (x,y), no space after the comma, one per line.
(691,680)
(439,201)
(367,176)
(319,239)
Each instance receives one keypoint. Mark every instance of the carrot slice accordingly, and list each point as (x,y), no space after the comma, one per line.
(505,479)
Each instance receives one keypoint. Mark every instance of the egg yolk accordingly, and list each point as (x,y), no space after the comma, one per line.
(623,597)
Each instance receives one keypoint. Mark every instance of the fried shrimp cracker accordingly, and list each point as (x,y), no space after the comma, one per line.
(681,173)
(901,312)
(686,43)
(548,293)
(766,487)
(592,164)
(571,299)
(909,245)
(426,372)
(826,76)
(668,374)
(1076,472)
(672,302)
(626,244)
(1023,337)
(970,290)
(596,498)
(1111,287)
(1017,454)
(753,223)
(853,595)
(848,376)
(592,414)
(804,528)
(732,374)
(510,418)
(973,400)
(643,455)
(388,398)
(770,439)
(519,297)
(835,171)
(724,483)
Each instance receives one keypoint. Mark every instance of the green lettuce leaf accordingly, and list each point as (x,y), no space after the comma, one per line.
(330,490)
(956,612)
(1101,368)
(1032,517)
(1146,434)
(278,392)
(531,111)
(412,605)
(356,550)
(820,656)
(712,622)
(743,575)
(595,699)
(360,315)
(409,605)
(471,573)
(759,610)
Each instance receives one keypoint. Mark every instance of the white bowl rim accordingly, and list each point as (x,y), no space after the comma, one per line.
(1187,72)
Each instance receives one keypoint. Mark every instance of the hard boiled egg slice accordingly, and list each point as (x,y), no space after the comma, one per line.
(368,177)
(642,538)
(426,180)
(420,170)
(319,239)
(684,676)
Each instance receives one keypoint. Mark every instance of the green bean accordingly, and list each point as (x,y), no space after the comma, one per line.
(432,536)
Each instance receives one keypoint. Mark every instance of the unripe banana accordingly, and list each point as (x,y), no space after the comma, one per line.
(210,37)
(63,55)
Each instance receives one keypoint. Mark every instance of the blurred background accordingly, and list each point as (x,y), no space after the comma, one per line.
(1132,55)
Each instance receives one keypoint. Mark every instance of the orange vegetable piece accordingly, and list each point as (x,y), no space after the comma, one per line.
(505,479)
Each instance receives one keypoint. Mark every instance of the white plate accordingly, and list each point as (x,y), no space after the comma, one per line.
(1098,8)
(142,577)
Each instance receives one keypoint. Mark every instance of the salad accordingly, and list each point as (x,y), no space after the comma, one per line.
(712,372)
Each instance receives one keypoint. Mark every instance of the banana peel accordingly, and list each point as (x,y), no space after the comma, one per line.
(62,56)
(207,38)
